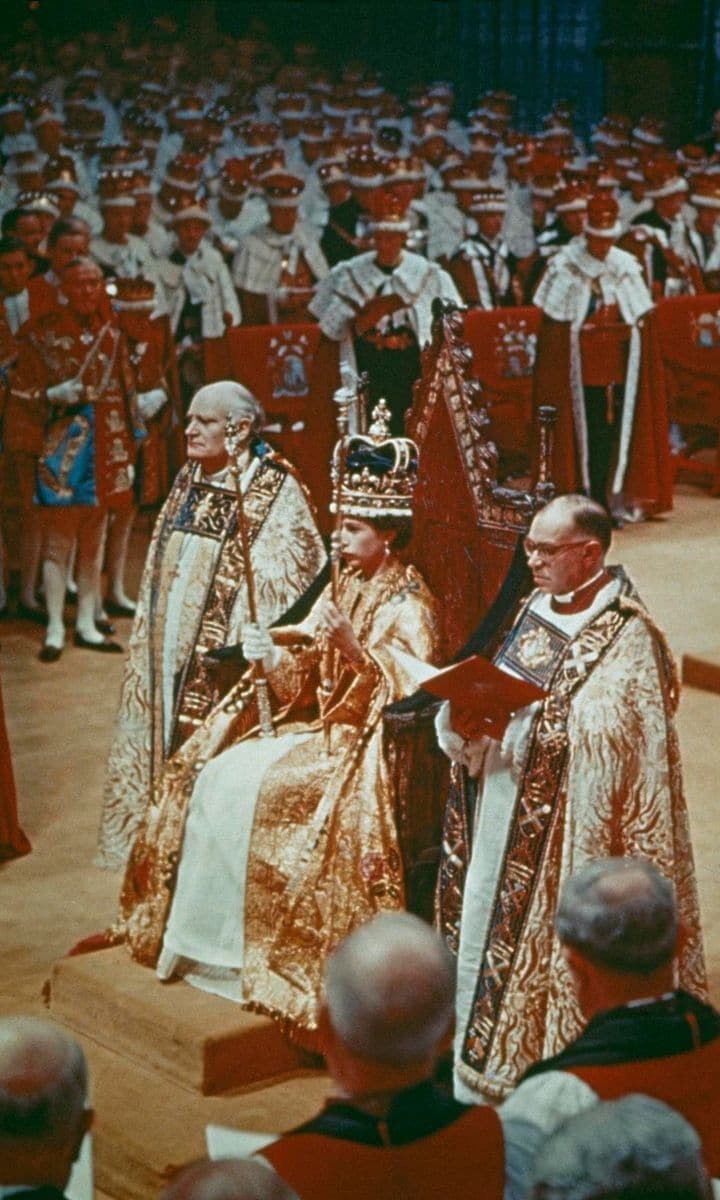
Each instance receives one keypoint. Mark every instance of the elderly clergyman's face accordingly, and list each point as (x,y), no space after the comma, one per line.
(206,428)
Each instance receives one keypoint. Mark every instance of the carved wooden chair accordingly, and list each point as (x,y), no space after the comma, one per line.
(465,543)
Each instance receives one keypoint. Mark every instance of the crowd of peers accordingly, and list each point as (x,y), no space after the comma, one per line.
(149,201)
(628,1109)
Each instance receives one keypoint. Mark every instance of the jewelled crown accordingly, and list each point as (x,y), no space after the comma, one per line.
(378,472)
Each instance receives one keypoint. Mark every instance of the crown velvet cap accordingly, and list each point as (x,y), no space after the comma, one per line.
(378,474)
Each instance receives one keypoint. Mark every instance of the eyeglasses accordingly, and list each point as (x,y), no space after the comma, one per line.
(547,552)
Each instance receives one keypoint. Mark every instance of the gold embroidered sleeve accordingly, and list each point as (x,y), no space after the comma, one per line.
(295,676)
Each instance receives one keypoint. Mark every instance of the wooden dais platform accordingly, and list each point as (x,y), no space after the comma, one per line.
(199,1041)
(701,673)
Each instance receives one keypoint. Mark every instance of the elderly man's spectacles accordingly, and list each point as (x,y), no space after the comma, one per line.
(547,551)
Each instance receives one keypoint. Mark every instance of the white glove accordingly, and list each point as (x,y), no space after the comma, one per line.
(450,742)
(258,646)
(151,402)
(67,393)
(517,737)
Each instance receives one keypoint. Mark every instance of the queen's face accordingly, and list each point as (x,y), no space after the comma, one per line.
(362,545)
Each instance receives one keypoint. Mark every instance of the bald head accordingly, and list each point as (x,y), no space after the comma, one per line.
(390,990)
(43,1081)
(574,514)
(230,399)
(43,1089)
(620,913)
(229,1179)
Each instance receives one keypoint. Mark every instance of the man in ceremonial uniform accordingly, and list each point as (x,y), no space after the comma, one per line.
(145,225)
(339,240)
(151,354)
(49,131)
(662,232)
(379,306)
(194,596)
(235,213)
(598,361)
(15,137)
(570,208)
(591,768)
(200,295)
(25,224)
(705,237)
(64,190)
(73,378)
(118,251)
(278,265)
(617,920)
(483,268)
(560,219)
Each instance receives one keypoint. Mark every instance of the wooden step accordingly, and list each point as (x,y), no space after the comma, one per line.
(701,672)
(147,1128)
(200,1041)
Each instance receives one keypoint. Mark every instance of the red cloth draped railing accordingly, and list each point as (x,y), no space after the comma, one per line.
(293,371)
(689,328)
(503,343)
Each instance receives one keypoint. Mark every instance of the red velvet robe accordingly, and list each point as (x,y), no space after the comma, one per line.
(687,1082)
(462,1160)
(648,480)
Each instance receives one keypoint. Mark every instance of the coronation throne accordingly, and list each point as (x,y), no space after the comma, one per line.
(466,537)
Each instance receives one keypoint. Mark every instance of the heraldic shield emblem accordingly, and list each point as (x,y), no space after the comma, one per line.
(289,362)
(515,349)
(706,330)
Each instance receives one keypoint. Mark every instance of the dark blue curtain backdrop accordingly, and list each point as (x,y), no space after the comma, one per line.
(659,56)
(539,49)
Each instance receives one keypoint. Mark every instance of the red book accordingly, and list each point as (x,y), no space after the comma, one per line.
(482,697)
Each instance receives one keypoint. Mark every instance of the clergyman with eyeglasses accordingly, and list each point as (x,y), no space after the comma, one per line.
(591,769)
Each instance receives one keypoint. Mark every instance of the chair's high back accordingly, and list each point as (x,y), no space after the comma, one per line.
(466,525)
(465,539)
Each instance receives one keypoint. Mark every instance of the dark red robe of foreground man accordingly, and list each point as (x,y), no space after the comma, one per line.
(426,1146)
(13,842)
(648,479)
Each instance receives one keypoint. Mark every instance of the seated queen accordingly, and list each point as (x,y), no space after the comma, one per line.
(263,852)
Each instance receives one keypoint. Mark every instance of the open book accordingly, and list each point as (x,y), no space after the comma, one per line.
(223,1142)
(80,1184)
(482,697)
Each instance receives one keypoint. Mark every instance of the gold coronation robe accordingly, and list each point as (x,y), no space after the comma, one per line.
(193,599)
(595,771)
(321,844)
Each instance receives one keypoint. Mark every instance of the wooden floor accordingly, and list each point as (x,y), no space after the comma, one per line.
(60,720)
